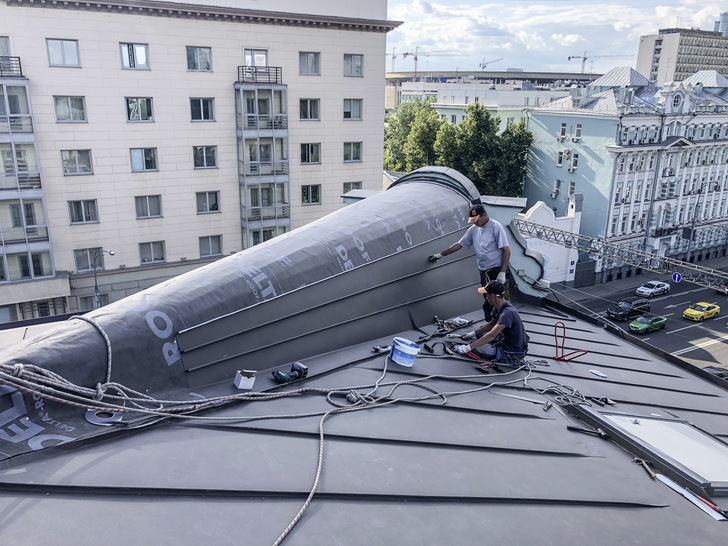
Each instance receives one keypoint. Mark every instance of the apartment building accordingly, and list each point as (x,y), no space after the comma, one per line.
(651,162)
(676,53)
(141,139)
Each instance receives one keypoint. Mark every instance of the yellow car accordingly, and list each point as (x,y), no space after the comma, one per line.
(701,311)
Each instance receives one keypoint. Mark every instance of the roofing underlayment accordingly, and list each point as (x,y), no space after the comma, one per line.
(441,452)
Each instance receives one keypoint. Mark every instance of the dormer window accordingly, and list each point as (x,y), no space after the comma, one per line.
(676,101)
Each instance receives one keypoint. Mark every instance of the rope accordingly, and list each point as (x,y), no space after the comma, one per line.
(96,325)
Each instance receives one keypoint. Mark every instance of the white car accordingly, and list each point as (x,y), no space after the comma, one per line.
(653,288)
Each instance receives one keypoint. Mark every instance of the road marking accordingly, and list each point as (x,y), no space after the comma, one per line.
(678,304)
(700,345)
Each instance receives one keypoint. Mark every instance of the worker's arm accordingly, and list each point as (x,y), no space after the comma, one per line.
(449,250)
(505,259)
(487,338)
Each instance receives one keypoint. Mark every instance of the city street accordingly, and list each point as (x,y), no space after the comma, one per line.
(700,343)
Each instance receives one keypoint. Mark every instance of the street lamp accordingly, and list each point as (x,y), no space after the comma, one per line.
(98,253)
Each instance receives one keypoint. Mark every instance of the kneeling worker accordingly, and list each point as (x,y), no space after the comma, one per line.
(504,337)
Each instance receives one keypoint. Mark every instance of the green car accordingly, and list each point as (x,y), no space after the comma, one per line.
(642,325)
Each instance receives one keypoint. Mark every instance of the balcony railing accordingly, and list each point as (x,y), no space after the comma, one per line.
(10,67)
(256,214)
(19,235)
(16,124)
(661,232)
(260,74)
(253,122)
(263,168)
(23,181)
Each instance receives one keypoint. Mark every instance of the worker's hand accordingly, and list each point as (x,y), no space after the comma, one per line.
(468,335)
(501,277)
(433,259)
(462,349)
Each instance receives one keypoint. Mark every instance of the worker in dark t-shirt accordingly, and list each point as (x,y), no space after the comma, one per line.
(505,331)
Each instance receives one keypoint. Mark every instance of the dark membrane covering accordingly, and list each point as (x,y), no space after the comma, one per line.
(141,328)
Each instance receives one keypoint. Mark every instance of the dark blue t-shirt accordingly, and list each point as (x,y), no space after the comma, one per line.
(514,336)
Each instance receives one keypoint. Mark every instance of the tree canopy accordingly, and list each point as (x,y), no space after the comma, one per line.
(495,162)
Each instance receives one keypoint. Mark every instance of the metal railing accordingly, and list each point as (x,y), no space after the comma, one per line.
(255,214)
(263,168)
(22,181)
(252,122)
(10,67)
(260,74)
(16,124)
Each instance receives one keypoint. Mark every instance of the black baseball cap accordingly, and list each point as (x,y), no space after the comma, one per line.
(475,211)
(493,287)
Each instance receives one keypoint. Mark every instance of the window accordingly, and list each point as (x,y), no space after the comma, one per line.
(348,186)
(572,187)
(353,65)
(83,212)
(199,59)
(4,52)
(352,151)
(202,109)
(562,131)
(76,162)
(208,201)
(577,132)
(308,64)
(143,159)
(134,56)
(151,252)
(148,206)
(256,57)
(63,52)
(139,109)
(210,246)
(85,259)
(311,195)
(574,161)
(70,109)
(352,108)
(310,153)
(559,159)
(309,109)
(205,157)
(86,303)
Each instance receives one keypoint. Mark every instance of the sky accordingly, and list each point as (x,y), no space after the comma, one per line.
(534,36)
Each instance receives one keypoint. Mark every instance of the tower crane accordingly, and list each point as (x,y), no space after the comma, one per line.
(703,276)
(584,58)
(393,55)
(483,64)
(417,53)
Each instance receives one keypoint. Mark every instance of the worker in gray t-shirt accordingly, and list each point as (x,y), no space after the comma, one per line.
(488,239)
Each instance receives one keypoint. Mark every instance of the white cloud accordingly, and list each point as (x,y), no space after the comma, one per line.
(569,39)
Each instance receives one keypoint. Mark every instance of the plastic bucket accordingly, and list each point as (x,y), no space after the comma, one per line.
(404,351)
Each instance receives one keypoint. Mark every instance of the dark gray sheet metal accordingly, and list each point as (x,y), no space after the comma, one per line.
(353,275)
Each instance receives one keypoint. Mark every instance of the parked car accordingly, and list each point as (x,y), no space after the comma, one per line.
(701,311)
(718,372)
(629,308)
(723,290)
(643,324)
(653,288)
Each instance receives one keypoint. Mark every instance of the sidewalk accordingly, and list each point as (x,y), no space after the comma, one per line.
(608,290)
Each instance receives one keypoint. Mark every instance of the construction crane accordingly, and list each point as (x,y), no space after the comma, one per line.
(584,58)
(393,55)
(702,276)
(483,64)
(417,53)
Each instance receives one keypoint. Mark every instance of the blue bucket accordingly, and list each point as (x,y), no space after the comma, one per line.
(404,351)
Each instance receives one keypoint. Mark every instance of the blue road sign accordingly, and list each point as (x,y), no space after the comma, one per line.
(676,277)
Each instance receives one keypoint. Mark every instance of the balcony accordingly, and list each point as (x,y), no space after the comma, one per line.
(260,74)
(23,181)
(16,124)
(252,122)
(257,214)
(264,168)
(10,67)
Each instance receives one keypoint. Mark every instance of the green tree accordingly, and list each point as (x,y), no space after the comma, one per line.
(396,131)
(514,144)
(419,147)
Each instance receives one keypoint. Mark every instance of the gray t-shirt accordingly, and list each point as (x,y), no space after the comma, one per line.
(488,242)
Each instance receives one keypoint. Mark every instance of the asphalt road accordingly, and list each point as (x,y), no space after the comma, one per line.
(701,344)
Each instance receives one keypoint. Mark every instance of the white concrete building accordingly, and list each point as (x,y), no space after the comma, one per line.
(507,100)
(173,134)
(651,163)
(676,53)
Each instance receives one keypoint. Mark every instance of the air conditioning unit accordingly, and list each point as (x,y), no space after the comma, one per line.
(575,139)
(566,152)
(553,195)
(625,200)
(570,169)
(560,138)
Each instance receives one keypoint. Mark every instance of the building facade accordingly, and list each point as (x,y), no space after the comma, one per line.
(651,163)
(174,135)
(676,53)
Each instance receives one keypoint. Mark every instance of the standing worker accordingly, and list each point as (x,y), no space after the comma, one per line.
(488,239)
